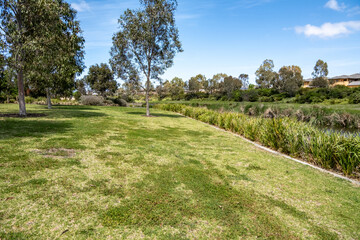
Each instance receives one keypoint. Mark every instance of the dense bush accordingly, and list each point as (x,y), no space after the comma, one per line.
(92,100)
(121,102)
(355,98)
(328,149)
(77,95)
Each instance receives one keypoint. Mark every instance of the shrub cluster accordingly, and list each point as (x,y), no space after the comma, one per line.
(327,149)
(304,95)
(319,95)
(92,100)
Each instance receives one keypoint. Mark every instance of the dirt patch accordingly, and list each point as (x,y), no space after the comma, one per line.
(56,152)
(15,115)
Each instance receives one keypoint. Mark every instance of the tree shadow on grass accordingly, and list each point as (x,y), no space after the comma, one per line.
(74,112)
(10,128)
(74,107)
(156,114)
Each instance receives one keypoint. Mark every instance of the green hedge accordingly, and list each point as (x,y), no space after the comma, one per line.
(298,139)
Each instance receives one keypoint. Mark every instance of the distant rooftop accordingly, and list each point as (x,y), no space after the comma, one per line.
(308,80)
(354,76)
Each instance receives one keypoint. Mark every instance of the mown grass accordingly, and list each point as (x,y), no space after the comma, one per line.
(110,173)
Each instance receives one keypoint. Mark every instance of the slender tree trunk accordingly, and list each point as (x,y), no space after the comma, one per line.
(7,99)
(48,96)
(20,83)
(147,96)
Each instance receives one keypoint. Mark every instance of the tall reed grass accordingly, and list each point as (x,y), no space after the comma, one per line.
(329,150)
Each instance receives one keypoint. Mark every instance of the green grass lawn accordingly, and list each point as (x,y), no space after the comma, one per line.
(110,173)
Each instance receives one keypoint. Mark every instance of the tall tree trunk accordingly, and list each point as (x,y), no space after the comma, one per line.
(21,90)
(48,96)
(147,96)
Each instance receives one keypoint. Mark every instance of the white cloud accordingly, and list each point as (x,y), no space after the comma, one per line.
(329,30)
(354,11)
(81,7)
(334,5)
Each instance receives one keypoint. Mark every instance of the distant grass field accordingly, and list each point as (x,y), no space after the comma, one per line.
(110,173)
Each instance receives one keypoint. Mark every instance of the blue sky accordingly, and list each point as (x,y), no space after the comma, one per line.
(235,36)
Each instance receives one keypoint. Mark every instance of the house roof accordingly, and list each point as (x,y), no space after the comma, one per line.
(355,83)
(354,77)
(308,80)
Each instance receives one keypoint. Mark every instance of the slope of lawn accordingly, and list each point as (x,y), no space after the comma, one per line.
(110,173)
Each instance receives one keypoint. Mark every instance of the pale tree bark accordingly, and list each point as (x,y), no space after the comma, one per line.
(147,96)
(48,96)
(20,73)
(21,90)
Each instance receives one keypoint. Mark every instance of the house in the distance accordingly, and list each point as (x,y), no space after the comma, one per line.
(307,83)
(345,80)
(351,81)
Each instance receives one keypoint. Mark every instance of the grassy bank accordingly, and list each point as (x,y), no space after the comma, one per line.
(342,116)
(109,173)
(328,150)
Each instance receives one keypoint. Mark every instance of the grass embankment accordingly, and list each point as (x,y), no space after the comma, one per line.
(107,172)
(343,116)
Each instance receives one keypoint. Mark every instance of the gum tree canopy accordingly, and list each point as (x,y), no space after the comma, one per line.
(39,36)
(146,43)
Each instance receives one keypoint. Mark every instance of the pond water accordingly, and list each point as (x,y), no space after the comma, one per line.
(343,131)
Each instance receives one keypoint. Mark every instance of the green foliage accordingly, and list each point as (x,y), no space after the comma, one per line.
(327,149)
(231,84)
(355,98)
(146,43)
(119,101)
(101,79)
(92,100)
(320,75)
(265,75)
(289,80)
(77,95)
(197,83)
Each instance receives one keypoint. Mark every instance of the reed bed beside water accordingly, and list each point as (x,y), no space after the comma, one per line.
(287,135)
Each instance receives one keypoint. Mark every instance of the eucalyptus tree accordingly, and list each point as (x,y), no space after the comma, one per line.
(177,86)
(101,79)
(320,74)
(216,82)
(31,31)
(290,79)
(265,75)
(231,84)
(197,83)
(146,43)
(244,78)
(60,57)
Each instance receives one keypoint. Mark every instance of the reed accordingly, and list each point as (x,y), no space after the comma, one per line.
(329,150)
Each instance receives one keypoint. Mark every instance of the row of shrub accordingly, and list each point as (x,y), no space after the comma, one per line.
(319,95)
(304,95)
(316,115)
(327,149)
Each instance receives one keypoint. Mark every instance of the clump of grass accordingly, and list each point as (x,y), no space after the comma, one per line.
(330,150)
